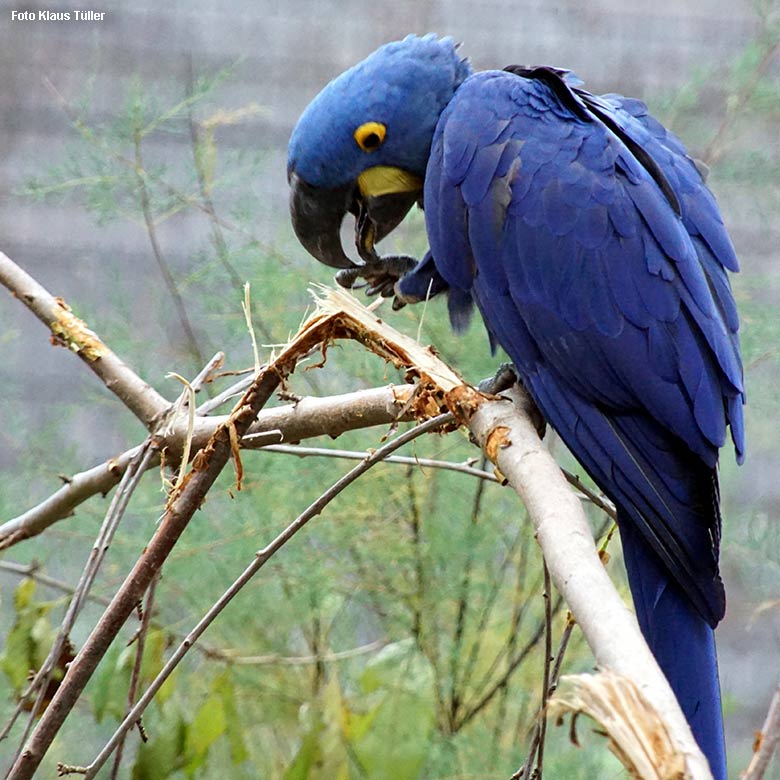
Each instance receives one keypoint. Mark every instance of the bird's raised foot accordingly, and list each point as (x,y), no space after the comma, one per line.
(378,276)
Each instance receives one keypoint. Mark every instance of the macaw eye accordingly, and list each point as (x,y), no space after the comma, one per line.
(369,136)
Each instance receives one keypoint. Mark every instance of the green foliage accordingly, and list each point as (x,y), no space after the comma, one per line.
(30,637)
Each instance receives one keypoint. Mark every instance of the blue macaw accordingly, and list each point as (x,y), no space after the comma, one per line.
(598,259)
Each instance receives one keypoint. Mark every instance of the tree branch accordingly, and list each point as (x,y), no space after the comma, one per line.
(308,418)
(170,282)
(69,331)
(509,438)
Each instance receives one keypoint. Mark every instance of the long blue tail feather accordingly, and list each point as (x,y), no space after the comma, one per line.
(682,642)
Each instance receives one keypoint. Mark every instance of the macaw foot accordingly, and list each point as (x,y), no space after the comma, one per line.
(379,276)
(505,377)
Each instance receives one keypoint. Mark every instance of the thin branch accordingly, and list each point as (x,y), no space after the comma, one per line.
(183,198)
(402,460)
(547,661)
(135,676)
(261,558)
(69,331)
(224,655)
(217,235)
(463,602)
(472,711)
(206,374)
(234,391)
(162,263)
(304,660)
(766,742)
(479,632)
(32,570)
(602,502)
(535,761)
(736,103)
(428,645)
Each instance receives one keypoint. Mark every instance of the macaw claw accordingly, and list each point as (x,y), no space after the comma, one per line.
(379,276)
(505,377)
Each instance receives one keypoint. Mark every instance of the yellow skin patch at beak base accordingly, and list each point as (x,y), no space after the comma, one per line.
(385,180)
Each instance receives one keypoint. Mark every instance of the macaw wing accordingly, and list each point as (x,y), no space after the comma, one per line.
(615,310)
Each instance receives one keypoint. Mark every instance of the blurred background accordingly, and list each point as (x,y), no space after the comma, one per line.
(121,139)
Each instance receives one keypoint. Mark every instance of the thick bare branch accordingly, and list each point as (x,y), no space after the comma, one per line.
(69,331)
(510,440)
(306,419)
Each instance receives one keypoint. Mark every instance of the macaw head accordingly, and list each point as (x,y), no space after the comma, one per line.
(362,145)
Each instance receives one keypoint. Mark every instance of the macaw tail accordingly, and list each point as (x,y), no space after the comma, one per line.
(682,642)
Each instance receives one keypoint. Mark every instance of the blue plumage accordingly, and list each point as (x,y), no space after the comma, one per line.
(598,260)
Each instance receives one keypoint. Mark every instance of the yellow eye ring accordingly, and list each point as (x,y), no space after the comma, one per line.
(369,136)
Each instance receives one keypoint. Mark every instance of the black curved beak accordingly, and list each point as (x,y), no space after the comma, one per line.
(317,215)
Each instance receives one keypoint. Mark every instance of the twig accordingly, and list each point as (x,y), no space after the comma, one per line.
(603,503)
(471,660)
(427,645)
(187,200)
(217,237)
(546,675)
(217,224)
(304,660)
(562,647)
(538,737)
(135,675)
(766,742)
(228,393)
(535,752)
(206,374)
(162,263)
(69,331)
(32,570)
(472,711)
(224,655)
(261,558)
(463,600)
(734,105)
(403,460)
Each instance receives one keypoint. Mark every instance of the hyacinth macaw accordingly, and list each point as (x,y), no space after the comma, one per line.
(598,259)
